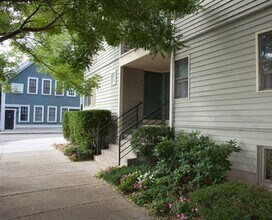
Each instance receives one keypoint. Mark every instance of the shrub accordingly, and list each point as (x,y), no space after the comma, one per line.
(144,140)
(65,126)
(77,153)
(83,127)
(195,159)
(233,201)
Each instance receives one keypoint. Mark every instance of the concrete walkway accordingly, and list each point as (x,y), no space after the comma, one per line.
(38,182)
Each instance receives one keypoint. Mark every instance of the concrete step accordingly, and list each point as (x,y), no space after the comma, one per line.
(104,161)
(113,148)
(110,157)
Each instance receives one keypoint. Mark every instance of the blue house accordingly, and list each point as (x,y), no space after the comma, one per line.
(34,101)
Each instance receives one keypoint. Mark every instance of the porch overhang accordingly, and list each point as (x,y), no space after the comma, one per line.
(142,59)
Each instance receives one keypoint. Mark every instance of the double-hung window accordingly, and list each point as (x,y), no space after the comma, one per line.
(38,113)
(62,111)
(89,101)
(32,87)
(24,113)
(265,61)
(46,86)
(181,78)
(265,165)
(59,90)
(52,114)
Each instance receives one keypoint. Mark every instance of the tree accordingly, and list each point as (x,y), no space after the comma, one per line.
(62,36)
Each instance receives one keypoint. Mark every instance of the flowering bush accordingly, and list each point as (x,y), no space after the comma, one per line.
(195,159)
(189,162)
(114,175)
(127,182)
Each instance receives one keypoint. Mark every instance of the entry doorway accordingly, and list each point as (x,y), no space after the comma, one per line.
(156,90)
(9,119)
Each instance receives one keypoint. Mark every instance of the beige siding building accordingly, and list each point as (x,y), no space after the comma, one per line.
(221,85)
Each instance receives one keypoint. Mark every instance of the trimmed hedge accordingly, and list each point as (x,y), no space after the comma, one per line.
(65,126)
(83,126)
(233,200)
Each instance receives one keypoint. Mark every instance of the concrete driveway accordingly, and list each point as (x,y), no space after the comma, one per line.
(38,182)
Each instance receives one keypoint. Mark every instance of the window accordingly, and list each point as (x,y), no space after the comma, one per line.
(71,93)
(32,87)
(265,61)
(114,78)
(90,100)
(87,100)
(265,165)
(62,111)
(24,113)
(59,90)
(66,109)
(181,78)
(46,86)
(52,114)
(38,114)
(17,88)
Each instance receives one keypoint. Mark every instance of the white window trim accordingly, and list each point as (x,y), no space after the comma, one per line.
(34,113)
(28,111)
(17,92)
(67,94)
(257,61)
(56,82)
(44,79)
(189,76)
(56,114)
(28,79)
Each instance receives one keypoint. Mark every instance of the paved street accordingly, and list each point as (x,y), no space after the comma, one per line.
(38,182)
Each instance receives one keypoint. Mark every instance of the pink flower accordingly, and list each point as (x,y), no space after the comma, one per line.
(182,199)
(170,206)
(183,216)
(178,216)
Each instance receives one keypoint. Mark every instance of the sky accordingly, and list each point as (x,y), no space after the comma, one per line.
(4,46)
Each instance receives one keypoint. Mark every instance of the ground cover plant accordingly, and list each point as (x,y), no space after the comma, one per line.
(186,164)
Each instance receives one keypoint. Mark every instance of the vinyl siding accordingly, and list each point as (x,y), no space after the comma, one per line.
(215,13)
(107,94)
(223,100)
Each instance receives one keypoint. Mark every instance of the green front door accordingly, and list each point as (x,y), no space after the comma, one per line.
(156,90)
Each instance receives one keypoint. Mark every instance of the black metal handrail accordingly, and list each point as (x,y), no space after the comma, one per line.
(161,110)
(124,118)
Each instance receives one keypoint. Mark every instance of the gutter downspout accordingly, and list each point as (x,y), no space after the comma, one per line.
(171,98)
